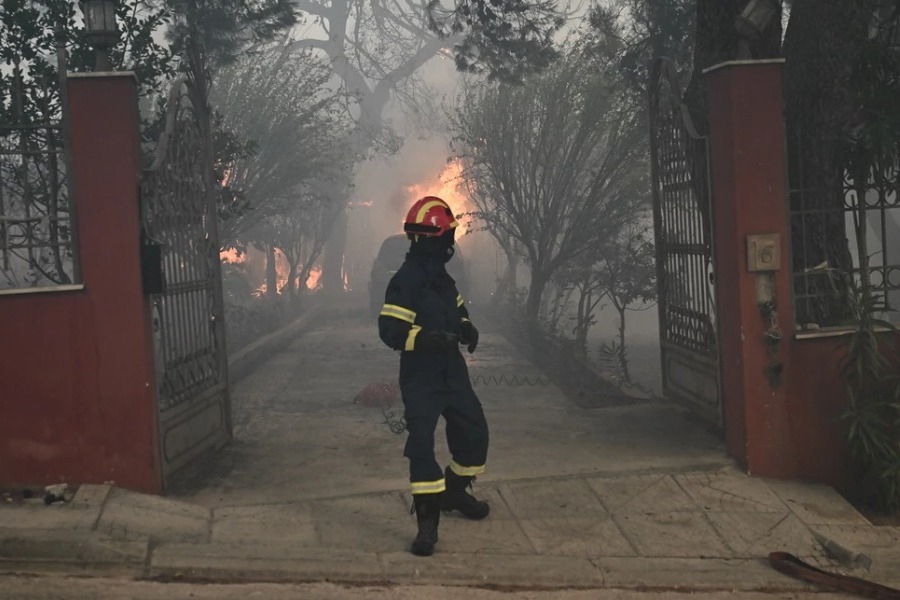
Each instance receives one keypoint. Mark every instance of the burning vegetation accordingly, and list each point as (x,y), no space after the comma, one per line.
(450,187)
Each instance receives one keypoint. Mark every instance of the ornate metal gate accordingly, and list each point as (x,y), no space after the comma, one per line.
(180,230)
(682,213)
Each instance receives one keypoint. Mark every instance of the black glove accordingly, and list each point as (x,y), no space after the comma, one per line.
(436,341)
(468,335)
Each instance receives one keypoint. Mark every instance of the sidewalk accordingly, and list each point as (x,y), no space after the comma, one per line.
(313,489)
(708,530)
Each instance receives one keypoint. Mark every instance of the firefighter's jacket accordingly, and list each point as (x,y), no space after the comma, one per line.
(421,297)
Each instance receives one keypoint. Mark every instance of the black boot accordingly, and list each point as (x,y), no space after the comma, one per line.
(456,497)
(428,515)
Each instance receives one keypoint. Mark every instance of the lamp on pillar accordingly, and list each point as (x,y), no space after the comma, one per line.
(752,23)
(100,31)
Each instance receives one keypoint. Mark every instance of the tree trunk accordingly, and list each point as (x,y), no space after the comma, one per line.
(302,278)
(535,293)
(626,376)
(512,264)
(271,273)
(291,283)
(333,258)
(312,255)
(507,283)
(583,323)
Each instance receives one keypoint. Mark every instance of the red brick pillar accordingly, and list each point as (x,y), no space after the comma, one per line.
(749,190)
(106,160)
(77,381)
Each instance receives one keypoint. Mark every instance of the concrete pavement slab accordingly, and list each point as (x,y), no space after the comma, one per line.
(565,518)
(879,545)
(649,493)
(491,569)
(373,522)
(131,515)
(272,522)
(730,490)
(69,545)
(816,504)
(261,562)
(549,498)
(885,568)
(862,536)
(55,516)
(583,537)
(690,574)
(39,551)
(492,535)
(750,534)
(671,534)
(498,533)
(81,513)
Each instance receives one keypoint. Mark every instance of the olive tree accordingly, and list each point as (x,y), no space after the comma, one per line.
(552,161)
(280,103)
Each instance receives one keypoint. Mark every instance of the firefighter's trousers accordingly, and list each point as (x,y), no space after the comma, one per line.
(466,429)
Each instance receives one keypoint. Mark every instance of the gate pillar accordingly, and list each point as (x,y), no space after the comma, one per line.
(749,183)
(119,395)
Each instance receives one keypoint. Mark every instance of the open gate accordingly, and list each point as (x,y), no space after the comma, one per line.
(682,214)
(180,230)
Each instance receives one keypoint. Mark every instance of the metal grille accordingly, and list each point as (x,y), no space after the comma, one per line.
(682,224)
(832,227)
(178,215)
(37,233)
(689,348)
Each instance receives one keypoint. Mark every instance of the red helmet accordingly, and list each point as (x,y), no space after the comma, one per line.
(429,216)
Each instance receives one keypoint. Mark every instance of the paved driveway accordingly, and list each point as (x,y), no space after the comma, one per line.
(299,434)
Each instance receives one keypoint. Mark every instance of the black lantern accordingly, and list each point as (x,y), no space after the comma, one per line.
(100,30)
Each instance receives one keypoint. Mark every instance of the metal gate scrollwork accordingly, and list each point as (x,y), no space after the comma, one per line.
(682,212)
(179,219)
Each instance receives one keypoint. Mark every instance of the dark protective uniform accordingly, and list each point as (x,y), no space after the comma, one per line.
(422,299)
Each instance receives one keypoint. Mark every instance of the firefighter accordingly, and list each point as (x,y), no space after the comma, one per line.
(425,318)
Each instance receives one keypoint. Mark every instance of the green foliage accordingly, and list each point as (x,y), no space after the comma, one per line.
(626,272)
(869,151)
(552,162)
(614,359)
(637,31)
(210,36)
(870,370)
(281,98)
(220,31)
(233,203)
(31,29)
(507,39)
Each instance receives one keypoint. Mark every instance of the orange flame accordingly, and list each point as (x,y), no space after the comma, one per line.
(282,268)
(449,188)
(345,276)
(313,280)
(232,256)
